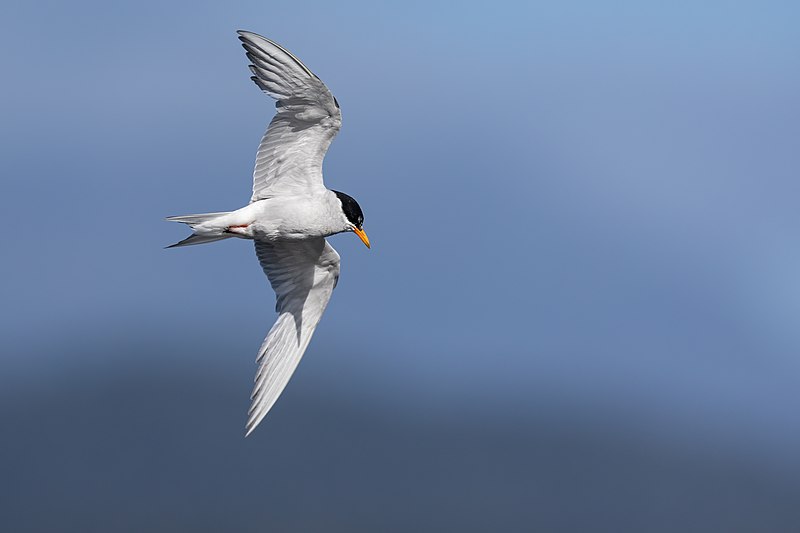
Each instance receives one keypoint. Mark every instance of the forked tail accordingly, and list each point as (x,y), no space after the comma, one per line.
(203,232)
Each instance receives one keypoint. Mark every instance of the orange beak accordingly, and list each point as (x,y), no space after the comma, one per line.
(362,236)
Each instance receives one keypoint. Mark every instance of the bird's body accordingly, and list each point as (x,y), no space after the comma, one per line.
(290,213)
(279,218)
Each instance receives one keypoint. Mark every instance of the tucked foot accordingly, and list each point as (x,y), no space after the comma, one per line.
(241,229)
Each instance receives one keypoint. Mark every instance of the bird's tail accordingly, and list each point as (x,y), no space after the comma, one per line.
(203,233)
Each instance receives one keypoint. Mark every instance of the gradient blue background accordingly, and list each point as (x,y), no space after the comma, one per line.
(580,312)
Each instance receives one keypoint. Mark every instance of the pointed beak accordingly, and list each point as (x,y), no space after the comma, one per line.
(362,236)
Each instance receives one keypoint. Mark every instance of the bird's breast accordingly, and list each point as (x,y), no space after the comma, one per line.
(292,218)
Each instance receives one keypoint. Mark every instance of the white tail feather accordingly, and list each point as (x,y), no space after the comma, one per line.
(200,235)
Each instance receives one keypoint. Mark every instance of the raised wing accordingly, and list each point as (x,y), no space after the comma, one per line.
(289,158)
(303,275)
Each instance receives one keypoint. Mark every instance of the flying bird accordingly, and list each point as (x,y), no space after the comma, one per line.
(290,213)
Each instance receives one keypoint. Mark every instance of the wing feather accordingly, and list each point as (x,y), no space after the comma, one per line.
(303,275)
(289,158)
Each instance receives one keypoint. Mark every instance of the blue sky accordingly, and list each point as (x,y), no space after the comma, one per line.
(579,207)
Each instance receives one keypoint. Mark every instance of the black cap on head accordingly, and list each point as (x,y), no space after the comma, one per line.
(351,209)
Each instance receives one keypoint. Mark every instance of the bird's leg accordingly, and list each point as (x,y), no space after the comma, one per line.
(240,229)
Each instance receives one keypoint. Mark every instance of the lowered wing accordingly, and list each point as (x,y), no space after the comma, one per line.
(303,275)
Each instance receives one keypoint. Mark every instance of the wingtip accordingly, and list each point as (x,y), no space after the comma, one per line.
(250,427)
(245,35)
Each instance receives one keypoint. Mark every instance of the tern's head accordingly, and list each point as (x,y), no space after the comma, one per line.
(354,216)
